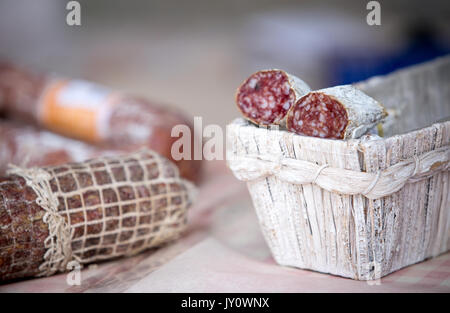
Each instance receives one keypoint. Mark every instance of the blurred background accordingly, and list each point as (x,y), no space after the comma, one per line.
(194,54)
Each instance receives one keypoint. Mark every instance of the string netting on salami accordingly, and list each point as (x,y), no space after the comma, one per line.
(89,211)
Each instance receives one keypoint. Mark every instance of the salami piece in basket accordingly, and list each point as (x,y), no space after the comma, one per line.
(89,211)
(340,112)
(93,113)
(266,96)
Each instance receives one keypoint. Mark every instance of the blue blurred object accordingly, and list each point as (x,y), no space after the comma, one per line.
(421,46)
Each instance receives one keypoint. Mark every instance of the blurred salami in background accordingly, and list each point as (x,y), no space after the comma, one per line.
(82,110)
(26,145)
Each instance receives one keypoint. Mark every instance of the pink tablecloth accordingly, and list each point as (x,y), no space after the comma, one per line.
(223,251)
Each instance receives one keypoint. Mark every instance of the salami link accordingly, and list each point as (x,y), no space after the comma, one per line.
(92,113)
(340,112)
(266,96)
(19,90)
(26,145)
(85,212)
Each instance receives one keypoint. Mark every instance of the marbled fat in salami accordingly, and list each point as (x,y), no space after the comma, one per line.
(318,115)
(266,96)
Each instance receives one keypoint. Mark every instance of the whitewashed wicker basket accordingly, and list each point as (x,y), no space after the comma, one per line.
(357,208)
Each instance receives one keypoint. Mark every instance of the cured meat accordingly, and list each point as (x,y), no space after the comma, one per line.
(386,127)
(340,112)
(92,113)
(89,211)
(266,96)
(26,145)
(19,90)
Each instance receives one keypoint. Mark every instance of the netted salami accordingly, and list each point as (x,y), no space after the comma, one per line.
(90,112)
(266,96)
(340,112)
(85,212)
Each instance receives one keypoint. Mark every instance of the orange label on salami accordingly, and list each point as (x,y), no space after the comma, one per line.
(76,108)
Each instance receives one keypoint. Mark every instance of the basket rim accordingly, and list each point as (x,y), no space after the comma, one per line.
(242,122)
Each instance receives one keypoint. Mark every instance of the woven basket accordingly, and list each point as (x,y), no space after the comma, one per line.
(357,208)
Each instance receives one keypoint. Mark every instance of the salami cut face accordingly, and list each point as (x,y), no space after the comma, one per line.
(265,97)
(318,115)
(340,112)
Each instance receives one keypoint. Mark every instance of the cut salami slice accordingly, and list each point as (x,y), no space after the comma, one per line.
(266,96)
(340,112)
